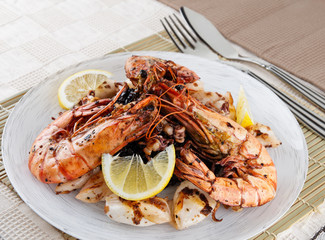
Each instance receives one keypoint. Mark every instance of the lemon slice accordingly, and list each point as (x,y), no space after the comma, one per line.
(75,87)
(243,114)
(131,179)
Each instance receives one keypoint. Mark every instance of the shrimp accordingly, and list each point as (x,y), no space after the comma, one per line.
(146,70)
(248,175)
(63,151)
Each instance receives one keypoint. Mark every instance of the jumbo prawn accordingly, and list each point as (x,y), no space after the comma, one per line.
(64,151)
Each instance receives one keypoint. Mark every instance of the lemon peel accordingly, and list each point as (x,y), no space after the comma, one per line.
(77,86)
(131,179)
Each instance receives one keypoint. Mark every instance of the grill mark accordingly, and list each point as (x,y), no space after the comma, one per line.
(207,208)
(190,192)
(135,206)
(158,204)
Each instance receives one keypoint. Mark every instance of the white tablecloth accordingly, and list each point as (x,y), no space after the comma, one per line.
(39,38)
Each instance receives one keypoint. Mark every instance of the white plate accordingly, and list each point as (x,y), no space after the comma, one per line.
(88,221)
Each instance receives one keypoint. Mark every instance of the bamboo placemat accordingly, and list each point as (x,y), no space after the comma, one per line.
(311,196)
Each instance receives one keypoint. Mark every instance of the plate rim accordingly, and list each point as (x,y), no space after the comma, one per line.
(145,53)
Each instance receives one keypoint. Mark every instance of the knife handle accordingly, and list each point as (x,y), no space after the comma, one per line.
(306,116)
(314,96)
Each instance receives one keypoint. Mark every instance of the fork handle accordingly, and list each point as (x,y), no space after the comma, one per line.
(306,116)
(314,96)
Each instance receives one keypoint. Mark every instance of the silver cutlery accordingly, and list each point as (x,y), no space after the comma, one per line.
(210,35)
(188,43)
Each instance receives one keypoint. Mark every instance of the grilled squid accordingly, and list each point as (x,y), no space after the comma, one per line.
(222,104)
(138,213)
(94,190)
(264,134)
(67,187)
(191,205)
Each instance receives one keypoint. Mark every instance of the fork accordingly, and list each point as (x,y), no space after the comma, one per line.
(188,43)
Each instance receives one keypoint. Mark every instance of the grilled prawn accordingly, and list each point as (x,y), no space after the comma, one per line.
(150,69)
(248,175)
(64,151)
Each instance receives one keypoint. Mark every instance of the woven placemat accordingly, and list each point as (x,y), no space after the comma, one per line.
(311,196)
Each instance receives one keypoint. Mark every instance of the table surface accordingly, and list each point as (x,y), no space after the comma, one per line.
(61,33)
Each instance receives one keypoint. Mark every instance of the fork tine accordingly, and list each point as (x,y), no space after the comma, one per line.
(184,39)
(171,35)
(180,31)
(186,29)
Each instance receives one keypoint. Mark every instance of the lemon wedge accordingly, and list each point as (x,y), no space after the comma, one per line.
(131,179)
(243,114)
(77,86)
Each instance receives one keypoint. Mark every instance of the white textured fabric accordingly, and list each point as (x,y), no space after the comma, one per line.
(38,38)
(18,221)
(306,227)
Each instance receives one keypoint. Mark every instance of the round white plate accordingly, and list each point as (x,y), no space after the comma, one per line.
(88,221)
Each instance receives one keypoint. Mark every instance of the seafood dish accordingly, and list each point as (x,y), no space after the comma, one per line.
(218,162)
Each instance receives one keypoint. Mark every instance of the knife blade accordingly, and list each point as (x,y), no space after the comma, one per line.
(208,33)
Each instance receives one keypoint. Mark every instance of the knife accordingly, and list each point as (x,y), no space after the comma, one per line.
(210,35)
